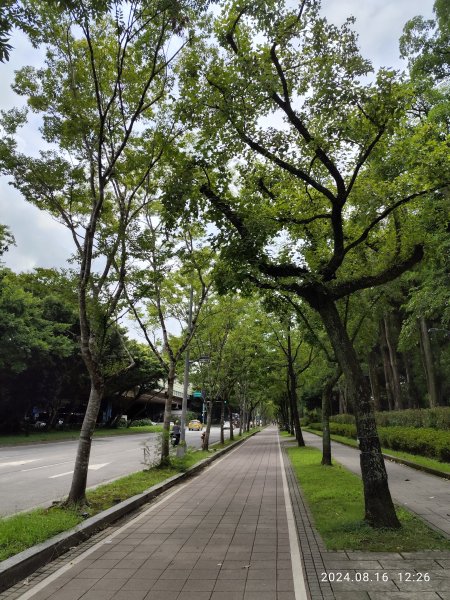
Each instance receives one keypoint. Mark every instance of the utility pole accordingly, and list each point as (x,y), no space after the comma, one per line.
(181,448)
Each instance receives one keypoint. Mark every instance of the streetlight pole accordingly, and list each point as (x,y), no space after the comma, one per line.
(181,448)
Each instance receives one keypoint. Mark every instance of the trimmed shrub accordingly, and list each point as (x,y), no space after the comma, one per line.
(141,423)
(433,418)
(424,442)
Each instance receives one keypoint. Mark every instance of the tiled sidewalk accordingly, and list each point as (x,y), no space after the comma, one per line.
(221,536)
(228,534)
(366,575)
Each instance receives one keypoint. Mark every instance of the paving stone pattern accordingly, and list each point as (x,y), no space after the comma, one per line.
(224,536)
(365,575)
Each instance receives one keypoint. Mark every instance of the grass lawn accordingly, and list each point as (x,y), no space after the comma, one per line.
(19,532)
(335,498)
(431,463)
(56,436)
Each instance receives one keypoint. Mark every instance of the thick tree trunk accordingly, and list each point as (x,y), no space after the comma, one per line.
(379,508)
(428,363)
(374,380)
(167,415)
(77,493)
(391,340)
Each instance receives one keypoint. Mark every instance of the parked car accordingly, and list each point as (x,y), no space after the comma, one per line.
(195,425)
(226,425)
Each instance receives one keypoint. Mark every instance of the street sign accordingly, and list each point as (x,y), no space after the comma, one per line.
(197,395)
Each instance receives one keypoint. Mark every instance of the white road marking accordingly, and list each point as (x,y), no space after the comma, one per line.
(45,466)
(91,468)
(298,573)
(61,475)
(16,463)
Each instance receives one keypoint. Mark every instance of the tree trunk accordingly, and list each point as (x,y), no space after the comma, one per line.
(326,411)
(413,400)
(392,349)
(230,413)
(374,380)
(292,390)
(167,414)
(387,368)
(222,419)
(327,393)
(379,508)
(428,363)
(77,494)
(209,406)
(343,404)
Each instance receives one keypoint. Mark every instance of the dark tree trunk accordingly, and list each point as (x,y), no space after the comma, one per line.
(222,419)
(391,340)
(326,411)
(327,394)
(343,404)
(292,391)
(230,413)
(372,362)
(413,400)
(379,508)
(387,368)
(428,363)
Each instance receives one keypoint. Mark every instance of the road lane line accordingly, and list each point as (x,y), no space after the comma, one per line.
(91,468)
(45,466)
(60,475)
(17,463)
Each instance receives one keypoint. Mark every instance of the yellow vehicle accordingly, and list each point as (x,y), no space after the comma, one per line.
(195,425)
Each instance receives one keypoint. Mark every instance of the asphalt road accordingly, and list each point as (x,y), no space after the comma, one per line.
(37,474)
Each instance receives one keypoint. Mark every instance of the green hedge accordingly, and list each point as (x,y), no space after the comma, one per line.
(425,442)
(433,418)
(141,423)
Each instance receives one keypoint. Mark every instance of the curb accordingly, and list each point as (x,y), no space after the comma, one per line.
(401,461)
(20,566)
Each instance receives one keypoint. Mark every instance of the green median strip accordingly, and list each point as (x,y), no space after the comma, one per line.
(335,498)
(24,530)
(423,461)
(60,436)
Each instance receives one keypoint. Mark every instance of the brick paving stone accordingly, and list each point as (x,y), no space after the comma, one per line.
(224,536)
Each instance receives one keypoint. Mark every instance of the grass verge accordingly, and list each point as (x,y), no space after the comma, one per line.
(24,530)
(414,458)
(335,498)
(57,436)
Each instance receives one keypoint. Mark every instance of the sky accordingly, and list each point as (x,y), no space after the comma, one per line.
(42,242)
